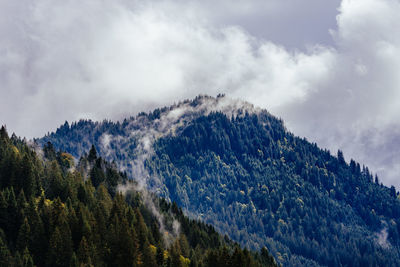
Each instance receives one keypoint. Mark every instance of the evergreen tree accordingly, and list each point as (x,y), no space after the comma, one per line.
(27,179)
(66,221)
(6,258)
(92,154)
(24,236)
(74,261)
(60,250)
(27,258)
(160,256)
(84,253)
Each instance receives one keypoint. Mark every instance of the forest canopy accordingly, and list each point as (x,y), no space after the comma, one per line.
(56,213)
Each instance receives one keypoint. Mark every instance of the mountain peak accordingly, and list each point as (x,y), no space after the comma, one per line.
(236,167)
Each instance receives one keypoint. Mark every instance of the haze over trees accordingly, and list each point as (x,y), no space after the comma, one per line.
(238,168)
(54,212)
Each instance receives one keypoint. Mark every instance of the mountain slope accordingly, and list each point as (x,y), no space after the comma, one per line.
(239,169)
(53,213)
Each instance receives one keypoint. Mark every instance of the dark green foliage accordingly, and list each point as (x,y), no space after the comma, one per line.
(250,178)
(253,180)
(264,187)
(76,217)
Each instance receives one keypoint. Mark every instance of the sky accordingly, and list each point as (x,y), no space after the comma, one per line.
(330,69)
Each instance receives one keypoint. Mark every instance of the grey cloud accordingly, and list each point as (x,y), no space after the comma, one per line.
(292,23)
(97,59)
(357,108)
(71,60)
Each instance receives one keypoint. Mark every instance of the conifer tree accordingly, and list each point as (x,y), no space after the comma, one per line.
(24,236)
(12,225)
(175,254)
(49,151)
(3,212)
(74,262)
(92,154)
(27,258)
(84,253)
(18,261)
(27,179)
(5,255)
(160,256)
(65,221)
(60,247)
(149,258)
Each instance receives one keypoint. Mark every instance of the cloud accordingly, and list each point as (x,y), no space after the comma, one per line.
(356,108)
(292,23)
(70,60)
(382,237)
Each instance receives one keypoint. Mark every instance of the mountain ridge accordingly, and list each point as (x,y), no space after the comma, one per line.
(244,173)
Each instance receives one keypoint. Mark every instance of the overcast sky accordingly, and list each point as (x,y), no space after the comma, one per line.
(330,69)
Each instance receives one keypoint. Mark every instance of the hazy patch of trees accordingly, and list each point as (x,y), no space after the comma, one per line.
(53,213)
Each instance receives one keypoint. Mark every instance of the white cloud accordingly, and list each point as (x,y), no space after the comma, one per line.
(98,59)
(72,59)
(357,108)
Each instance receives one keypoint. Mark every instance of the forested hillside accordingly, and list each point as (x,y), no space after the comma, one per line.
(55,212)
(240,170)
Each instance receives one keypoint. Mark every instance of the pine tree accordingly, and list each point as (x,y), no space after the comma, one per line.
(184,245)
(340,157)
(104,198)
(49,151)
(54,181)
(175,254)
(24,236)
(21,201)
(225,257)
(60,249)
(74,261)
(12,225)
(3,212)
(160,256)
(149,258)
(38,245)
(27,258)
(27,179)
(238,258)
(97,175)
(8,167)
(5,255)
(267,258)
(84,253)
(141,229)
(18,261)
(3,134)
(92,154)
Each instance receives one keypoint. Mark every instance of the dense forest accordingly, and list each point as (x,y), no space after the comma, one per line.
(55,211)
(241,171)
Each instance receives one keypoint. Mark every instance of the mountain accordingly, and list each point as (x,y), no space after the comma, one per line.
(58,212)
(237,168)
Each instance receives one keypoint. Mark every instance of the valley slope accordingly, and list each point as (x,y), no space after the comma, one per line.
(56,213)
